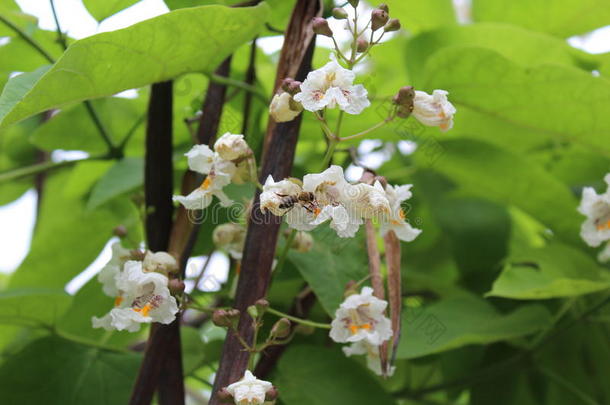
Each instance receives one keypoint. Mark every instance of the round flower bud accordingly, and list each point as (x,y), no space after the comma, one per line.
(379,18)
(253,311)
(303,242)
(261,305)
(283,108)
(271,395)
(176,286)
(405,96)
(339,13)
(281,329)
(160,262)
(362,45)
(384,7)
(226,318)
(120,231)
(232,146)
(291,86)
(392,25)
(320,27)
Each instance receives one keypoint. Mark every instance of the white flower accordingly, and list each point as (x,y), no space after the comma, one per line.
(219,173)
(249,390)
(373,361)
(361,317)
(596,228)
(160,262)
(232,146)
(200,159)
(604,255)
(396,220)
(335,195)
(230,237)
(369,201)
(272,197)
(433,110)
(108,273)
(144,298)
(283,108)
(331,86)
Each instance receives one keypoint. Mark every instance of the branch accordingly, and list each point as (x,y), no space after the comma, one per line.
(158,187)
(261,238)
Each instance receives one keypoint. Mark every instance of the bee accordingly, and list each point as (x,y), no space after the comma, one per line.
(305,198)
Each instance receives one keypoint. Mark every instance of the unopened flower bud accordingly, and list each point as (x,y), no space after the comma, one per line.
(261,305)
(392,25)
(227,234)
(137,255)
(176,286)
(405,96)
(362,45)
(303,242)
(224,395)
(320,27)
(283,108)
(281,329)
(271,395)
(339,13)
(253,311)
(379,18)
(384,7)
(354,3)
(232,146)
(160,262)
(291,86)
(226,318)
(120,231)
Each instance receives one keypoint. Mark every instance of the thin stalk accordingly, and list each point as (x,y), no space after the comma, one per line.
(562,382)
(556,318)
(60,35)
(84,341)
(239,84)
(298,320)
(339,121)
(332,144)
(132,131)
(33,43)
(282,259)
(41,167)
(327,131)
(371,129)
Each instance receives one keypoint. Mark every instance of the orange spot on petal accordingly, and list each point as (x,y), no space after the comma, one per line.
(206,183)
(144,310)
(118,300)
(604,226)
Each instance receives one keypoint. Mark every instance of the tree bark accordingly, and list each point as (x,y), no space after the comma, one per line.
(278,155)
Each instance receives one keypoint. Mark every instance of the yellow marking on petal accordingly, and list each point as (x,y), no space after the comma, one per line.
(604,226)
(316,211)
(206,183)
(118,301)
(144,310)
(355,328)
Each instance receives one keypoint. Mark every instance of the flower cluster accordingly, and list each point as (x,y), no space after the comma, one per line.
(595,229)
(230,161)
(327,196)
(140,290)
(361,321)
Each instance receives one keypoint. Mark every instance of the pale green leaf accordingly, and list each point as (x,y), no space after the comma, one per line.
(102,9)
(35,307)
(182,41)
(125,175)
(563,18)
(553,271)
(461,321)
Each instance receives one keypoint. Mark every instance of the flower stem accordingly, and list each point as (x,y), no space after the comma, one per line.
(298,320)
(371,129)
(236,83)
(329,153)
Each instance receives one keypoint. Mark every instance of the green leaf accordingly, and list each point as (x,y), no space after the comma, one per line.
(563,18)
(102,9)
(73,129)
(489,172)
(124,176)
(182,41)
(330,265)
(540,100)
(416,16)
(36,307)
(553,271)
(59,372)
(68,237)
(314,375)
(461,321)
(525,47)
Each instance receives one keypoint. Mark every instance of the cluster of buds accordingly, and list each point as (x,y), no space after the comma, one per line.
(283,107)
